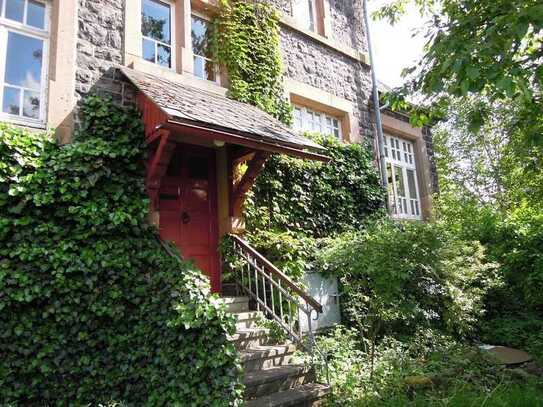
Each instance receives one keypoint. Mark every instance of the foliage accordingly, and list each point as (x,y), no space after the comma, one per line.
(315,198)
(429,369)
(245,39)
(521,330)
(291,252)
(470,159)
(93,308)
(491,48)
(400,277)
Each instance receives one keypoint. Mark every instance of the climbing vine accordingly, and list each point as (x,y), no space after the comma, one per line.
(92,308)
(313,198)
(245,39)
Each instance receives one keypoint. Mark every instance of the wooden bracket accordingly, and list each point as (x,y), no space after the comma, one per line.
(151,184)
(157,156)
(255,166)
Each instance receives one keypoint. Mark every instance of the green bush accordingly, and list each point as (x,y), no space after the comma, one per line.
(291,252)
(399,277)
(315,198)
(428,369)
(92,307)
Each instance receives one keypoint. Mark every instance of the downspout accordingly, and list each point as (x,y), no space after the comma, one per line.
(377,110)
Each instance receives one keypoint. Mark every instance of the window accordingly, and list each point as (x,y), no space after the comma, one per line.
(305,12)
(23,46)
(308,120)
(156,30)
(204,67)
(402,178)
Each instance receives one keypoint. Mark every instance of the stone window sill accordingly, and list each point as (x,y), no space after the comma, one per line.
(30,124)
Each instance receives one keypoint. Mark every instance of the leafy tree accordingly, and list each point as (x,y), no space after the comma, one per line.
(487,47)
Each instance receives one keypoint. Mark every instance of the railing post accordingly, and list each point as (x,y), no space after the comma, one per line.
(256,286)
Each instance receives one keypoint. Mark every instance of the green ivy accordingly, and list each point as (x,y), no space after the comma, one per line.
(245,39)
(92,308)
(315,198)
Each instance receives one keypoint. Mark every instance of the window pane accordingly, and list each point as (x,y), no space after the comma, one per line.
(317,124)
(164,55)
(31,104)
(199,67)
(15,10)
(302,11)
(149,50)
(298,124)
(11,100)
(24,61)
(199,34)
(155,20)
(400,187)
(411,184)
(310,5)
(35,14)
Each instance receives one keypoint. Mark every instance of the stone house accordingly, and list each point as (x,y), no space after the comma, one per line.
(55,52)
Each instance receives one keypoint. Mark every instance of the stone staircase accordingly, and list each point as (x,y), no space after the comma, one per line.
(272,376)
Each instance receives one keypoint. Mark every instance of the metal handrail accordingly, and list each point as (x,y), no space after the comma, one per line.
(273,291)
(310,301)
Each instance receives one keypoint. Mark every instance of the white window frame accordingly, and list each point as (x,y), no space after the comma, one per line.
(308,122)
(7,25)
(172,45)
(217,80)
(312,23)
(400,158)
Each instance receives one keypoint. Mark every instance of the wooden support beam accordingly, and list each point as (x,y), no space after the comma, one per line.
(151,184)
(255,166)
(158,154)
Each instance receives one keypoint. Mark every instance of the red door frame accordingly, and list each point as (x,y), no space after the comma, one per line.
(210,154)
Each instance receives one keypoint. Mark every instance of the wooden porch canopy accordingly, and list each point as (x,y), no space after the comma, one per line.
(182,108)
(171,109)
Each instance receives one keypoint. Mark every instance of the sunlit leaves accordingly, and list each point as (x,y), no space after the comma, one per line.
(245,39)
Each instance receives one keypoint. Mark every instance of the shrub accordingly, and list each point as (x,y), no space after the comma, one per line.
(291,252)
(401,276)
(428,369)
(92,307)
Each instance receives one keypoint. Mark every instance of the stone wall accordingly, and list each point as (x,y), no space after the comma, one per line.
(99,48)
(308,61)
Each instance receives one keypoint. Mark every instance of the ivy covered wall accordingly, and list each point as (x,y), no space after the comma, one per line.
(92,309)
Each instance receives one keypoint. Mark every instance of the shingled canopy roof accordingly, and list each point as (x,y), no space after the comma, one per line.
(186,106)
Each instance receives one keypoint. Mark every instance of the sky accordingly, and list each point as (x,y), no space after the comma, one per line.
(394,47)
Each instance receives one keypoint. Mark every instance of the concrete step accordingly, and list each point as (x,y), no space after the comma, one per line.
(264,357)
(308,395)
(265,382)
(236,304)
(247,319)
(248,338)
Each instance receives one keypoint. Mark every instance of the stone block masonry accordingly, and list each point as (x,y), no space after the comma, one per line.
(99,49)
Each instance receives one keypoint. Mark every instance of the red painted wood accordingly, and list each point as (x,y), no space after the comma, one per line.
(188,209)
(152,115)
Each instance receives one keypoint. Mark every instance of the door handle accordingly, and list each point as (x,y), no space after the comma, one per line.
(185,218)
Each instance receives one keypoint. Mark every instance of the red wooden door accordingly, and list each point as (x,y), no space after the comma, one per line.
(188,208)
